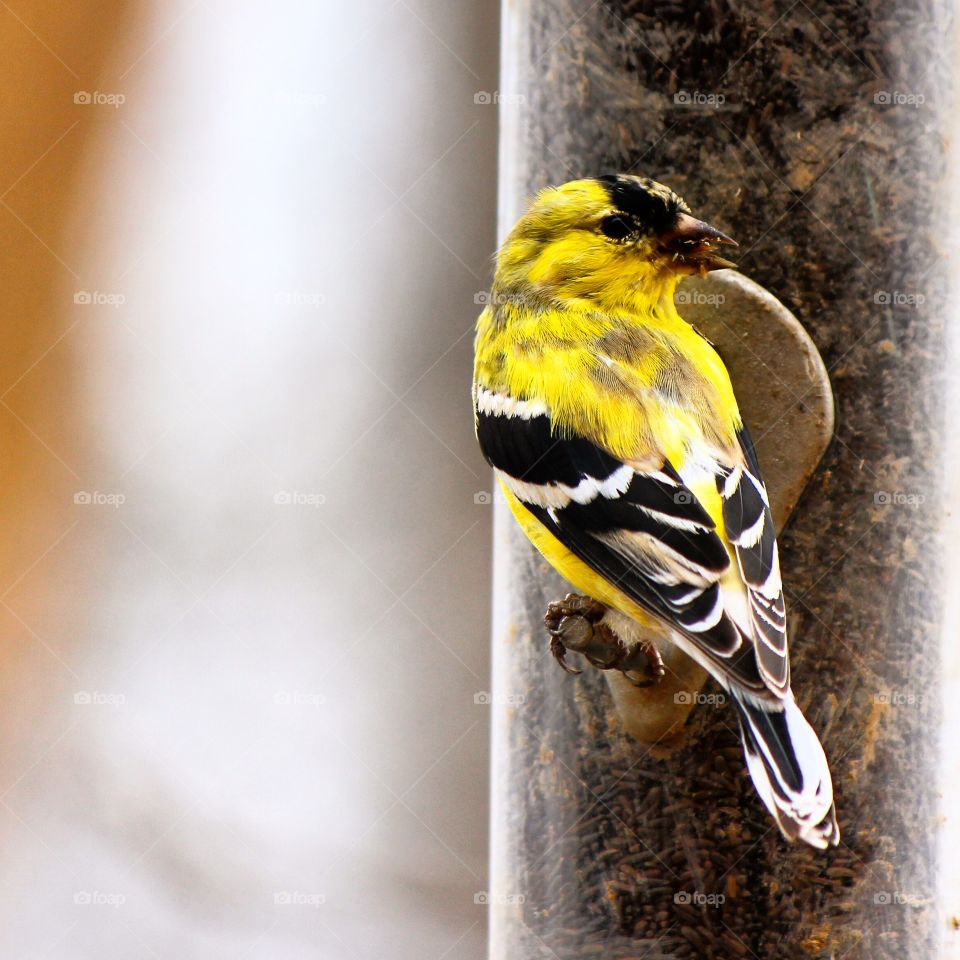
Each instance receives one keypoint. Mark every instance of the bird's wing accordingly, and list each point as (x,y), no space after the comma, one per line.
(649,536)
(749,529)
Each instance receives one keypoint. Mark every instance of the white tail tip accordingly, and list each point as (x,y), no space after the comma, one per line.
(789,770)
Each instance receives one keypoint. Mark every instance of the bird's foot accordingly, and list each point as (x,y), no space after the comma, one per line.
(574,623)
(643,666)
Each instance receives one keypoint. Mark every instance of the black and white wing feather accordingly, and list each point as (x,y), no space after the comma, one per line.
(749,528)
(643,531)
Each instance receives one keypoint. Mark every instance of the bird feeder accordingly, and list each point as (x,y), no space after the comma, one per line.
(624,822)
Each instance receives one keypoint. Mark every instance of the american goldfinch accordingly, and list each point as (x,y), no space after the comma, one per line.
(615,435)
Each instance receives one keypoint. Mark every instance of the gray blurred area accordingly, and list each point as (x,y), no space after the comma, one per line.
(244,582)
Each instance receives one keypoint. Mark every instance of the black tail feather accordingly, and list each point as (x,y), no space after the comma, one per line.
(789,769)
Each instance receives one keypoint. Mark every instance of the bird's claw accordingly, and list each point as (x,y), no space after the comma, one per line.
(559,652)
(573,605)
(574,623)
(647,673)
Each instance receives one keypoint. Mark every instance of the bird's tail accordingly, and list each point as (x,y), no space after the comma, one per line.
(789,769)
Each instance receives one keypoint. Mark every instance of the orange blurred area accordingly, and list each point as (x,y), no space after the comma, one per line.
(244,566)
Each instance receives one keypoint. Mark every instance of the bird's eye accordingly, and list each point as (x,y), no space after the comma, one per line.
(618,227)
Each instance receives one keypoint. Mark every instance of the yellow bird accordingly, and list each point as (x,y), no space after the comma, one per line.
(615,435)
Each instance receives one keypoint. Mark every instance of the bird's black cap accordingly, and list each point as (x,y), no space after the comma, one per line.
(654,206)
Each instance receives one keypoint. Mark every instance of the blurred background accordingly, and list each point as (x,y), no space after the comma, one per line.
(244,575)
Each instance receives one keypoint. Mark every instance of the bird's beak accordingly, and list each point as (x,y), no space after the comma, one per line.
(690,244)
